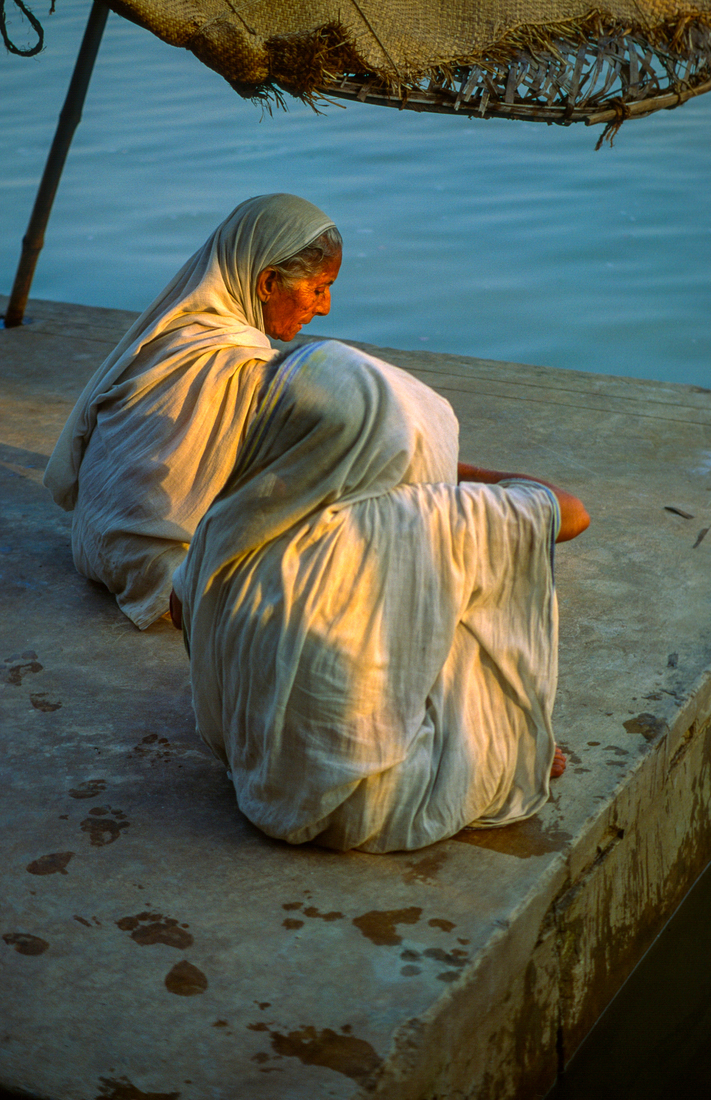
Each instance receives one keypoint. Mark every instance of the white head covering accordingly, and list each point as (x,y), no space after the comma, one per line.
(210,304)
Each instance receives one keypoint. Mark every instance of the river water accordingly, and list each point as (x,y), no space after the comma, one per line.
(508,241)
(512,241)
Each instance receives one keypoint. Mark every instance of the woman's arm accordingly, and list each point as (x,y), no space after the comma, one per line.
(574,518)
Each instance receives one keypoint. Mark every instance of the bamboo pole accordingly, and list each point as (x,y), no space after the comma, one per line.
(69,118)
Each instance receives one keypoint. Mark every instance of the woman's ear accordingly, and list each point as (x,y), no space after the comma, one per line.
(266,284)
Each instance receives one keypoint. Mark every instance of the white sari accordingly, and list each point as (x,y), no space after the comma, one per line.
(373,648)
(158,428)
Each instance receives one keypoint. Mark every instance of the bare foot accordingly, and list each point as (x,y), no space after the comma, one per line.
(559,762)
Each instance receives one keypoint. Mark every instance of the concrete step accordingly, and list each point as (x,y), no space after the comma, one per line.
(157,946)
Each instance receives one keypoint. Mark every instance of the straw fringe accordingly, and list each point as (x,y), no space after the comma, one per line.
(549,73)
(592,68)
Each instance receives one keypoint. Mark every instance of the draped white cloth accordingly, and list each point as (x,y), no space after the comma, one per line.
(157,429)
(373,648)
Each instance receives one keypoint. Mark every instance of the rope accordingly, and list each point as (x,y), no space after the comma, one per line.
(34,23)
(610,132)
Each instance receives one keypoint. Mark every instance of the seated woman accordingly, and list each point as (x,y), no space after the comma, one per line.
(157,430)
(373,647)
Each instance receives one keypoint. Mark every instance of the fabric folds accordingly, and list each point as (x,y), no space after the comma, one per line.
(158,428)
(373,648)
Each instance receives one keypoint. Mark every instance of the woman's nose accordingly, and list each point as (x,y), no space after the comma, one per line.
(324,304)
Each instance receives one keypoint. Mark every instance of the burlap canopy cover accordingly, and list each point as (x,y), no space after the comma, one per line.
(548,59)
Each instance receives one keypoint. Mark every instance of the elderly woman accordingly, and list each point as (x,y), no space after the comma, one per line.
(373,647)
(159,427)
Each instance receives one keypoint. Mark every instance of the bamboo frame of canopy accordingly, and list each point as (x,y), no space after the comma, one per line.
(606,85)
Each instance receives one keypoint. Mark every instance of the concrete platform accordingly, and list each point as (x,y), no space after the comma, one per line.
(155,946)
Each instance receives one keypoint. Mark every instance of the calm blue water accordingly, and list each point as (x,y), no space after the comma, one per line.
(504,240)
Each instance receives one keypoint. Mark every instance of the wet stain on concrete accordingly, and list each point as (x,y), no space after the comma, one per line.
(185,980)
(103,829)
(409,971)
(124,1089)
(443,925)
(617,750)
(523,839)
(646,724)
(258,1027)
(312,911)
(448,976)
(150,928)
(220,1023)
(379,925)
(455,957)
(25,944)
(91,788)
(153,747)
(427,868)
(41,702)
(84,921)
(52,864)
(16,674)
(346,1054)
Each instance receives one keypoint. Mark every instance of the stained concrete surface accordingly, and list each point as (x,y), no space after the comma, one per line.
(155,946)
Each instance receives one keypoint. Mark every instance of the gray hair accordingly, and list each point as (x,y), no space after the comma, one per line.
(309,261)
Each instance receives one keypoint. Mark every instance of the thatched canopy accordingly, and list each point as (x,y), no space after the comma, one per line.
(549,60)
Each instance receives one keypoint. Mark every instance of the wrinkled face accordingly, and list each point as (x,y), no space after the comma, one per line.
(285,310)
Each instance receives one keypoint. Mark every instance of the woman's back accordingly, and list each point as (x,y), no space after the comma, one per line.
(372,656)
(162,447)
